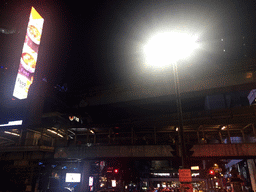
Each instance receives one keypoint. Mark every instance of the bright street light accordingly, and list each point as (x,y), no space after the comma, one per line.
(169,47)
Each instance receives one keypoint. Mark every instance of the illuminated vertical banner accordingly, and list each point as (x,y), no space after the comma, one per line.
(29,54)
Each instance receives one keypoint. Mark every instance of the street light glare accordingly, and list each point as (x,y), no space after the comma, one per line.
(166,48)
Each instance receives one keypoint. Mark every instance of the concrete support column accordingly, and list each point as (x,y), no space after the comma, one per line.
(42,139)
(252,172)
(221,140)
(84,186)
(87,136)
(229,139)
(244,140)
(94,138)
(204,136)
(75,140)
(211,184)
(254,130)
(206,184)
(198,137)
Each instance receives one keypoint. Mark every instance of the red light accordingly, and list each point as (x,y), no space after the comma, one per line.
(211,172)
(116,171)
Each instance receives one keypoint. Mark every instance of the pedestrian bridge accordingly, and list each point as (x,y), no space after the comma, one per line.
(242,150)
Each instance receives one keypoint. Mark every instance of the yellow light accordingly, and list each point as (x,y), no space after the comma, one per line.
(54,132)
(194,167)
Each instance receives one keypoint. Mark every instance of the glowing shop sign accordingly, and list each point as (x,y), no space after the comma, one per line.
(29,54)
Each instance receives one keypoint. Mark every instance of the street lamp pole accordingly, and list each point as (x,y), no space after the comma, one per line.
(162,50)
(180,116)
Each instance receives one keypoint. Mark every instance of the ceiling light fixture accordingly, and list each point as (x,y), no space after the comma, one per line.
(54,132)
(11,133)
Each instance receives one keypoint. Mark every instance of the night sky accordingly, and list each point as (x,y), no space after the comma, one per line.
(100,43)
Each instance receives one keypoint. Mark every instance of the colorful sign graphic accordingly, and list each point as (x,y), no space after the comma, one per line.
(29,54)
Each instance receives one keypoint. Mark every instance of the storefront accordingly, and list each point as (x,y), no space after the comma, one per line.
(171,184)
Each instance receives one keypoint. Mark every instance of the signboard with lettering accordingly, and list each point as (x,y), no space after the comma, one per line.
(29,55)
(185,175)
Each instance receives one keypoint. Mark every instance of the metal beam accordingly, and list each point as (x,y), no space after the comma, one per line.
(247,126)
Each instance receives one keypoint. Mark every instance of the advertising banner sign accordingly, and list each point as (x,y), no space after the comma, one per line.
(29,54)
(185,175)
